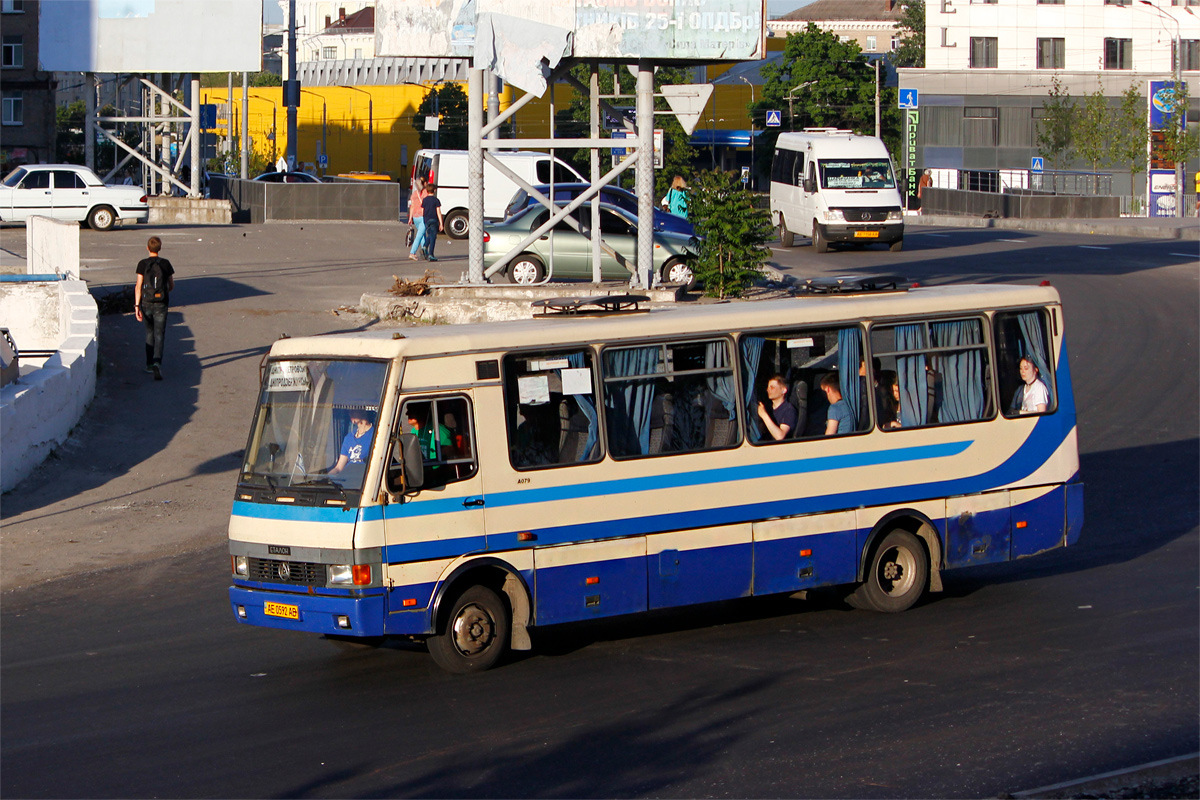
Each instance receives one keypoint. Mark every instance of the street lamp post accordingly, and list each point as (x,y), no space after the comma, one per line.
(753,166)
(324,127)
(370,126)
(791,96)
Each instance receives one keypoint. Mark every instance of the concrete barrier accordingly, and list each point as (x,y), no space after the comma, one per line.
(459,305)
(52,246)
(189,211)
(258,201)
(38,412)
(959,202)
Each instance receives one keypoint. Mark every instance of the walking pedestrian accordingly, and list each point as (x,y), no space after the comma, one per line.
(151,298)
(676,199)
(924,182)
(416,216)
(433,220)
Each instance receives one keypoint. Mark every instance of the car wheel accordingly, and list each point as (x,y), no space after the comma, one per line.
(476,633)
(786,237)
(897,246)
(101,218)
(525,270)
(680,272)
(820,243)
(456,223)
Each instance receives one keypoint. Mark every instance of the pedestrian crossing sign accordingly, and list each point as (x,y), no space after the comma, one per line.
(774,118)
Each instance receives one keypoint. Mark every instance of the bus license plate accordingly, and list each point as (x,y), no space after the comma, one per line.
(282,610)
(866,234)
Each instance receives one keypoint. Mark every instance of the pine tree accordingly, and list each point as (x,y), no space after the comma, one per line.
(731,233)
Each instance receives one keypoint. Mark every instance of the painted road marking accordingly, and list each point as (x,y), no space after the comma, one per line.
(1092,247)
(1185,255)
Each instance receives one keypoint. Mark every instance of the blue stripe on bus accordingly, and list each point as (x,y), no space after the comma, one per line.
(291,513)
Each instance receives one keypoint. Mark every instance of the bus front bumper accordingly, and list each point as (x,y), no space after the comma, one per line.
(343,616)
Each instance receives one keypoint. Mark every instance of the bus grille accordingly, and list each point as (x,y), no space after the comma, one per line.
(298,572)
(865,214)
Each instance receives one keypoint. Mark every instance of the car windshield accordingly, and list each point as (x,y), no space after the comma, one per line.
(14,177)
(857,174)
(315,424)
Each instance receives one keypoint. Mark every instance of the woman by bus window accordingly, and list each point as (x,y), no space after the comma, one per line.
(1033,395)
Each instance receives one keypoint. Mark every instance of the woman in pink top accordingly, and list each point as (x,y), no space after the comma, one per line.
(416,216)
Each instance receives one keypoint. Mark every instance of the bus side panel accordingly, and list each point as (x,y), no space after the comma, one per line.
(803,552)
(978,529)
(1074,512)
(1039,519)
(586,581)
(699,566)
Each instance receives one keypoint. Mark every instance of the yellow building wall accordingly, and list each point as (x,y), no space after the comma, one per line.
(336,117)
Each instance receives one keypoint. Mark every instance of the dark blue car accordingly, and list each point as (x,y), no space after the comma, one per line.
(614,195)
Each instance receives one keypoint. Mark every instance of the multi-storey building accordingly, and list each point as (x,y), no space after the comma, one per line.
(989,67)
(871,23)
(26,92)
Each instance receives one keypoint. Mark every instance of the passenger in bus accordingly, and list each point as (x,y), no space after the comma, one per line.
(357,442)
(839,419)
(889,400)
(1034,396)
(430,450)
(780,419)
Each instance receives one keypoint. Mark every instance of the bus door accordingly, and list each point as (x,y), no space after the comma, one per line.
(442,518)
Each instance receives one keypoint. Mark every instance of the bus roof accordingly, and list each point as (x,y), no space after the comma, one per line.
(675,321)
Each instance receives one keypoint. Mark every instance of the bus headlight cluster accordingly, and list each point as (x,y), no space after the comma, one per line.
(350,574)
(895,215)
(833,215)
(241,566)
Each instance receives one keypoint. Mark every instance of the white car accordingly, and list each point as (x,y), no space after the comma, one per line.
(69,192)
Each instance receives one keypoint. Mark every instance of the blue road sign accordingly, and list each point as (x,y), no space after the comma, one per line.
(774,119)
(908,98)
(323,161)
(1036,164)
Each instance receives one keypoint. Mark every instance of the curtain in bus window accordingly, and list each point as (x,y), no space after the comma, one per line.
(1034,345)
(588,406)
(962,372)
(752,347)
(914,386)
(716,356)
(630,402)
(849,358)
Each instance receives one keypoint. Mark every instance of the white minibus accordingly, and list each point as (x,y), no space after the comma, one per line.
(835,186)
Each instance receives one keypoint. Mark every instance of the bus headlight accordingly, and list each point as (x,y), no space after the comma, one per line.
(895,215)
(350,574)
(240,565)
(833,215)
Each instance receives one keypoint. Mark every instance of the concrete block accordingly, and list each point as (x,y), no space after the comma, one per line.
(190,211)
(52,246)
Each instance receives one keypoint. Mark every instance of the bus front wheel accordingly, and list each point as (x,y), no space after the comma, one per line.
(896,576)
(476,633)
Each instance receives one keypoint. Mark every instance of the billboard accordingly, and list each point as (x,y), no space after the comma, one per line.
(1162,104)
(150,36)
(622,30)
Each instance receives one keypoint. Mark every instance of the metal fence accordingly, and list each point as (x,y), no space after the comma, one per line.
(1023,181)
(1135,205)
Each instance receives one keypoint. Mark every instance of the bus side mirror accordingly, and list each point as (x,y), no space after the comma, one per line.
(407,452)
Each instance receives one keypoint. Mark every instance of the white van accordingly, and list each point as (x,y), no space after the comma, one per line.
(447,169)
(835,187)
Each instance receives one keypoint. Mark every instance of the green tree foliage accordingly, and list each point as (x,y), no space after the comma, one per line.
(452,109)
(911,30)
(220,80)
(678,152)
(69,124)
(840,90)
(1093,130)
(731,233)
(1130,132)
(1057,124)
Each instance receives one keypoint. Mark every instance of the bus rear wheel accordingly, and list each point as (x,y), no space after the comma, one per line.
(896,576)
(476,633)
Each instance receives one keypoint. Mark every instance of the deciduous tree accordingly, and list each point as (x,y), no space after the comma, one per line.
(731,233)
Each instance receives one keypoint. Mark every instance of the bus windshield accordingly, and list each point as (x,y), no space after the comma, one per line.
(315,424)
(857,174)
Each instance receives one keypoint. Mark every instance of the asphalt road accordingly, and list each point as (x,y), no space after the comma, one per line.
(134,681)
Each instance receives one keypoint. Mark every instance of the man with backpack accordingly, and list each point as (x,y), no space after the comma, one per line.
(151,296)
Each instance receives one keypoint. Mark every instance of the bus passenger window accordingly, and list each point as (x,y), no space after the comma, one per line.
(550,405)
(444,435)
(670,398)
(807,361)
(1025,388)
(931,373)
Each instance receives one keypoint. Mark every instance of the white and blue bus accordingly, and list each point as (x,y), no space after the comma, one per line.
(463,484)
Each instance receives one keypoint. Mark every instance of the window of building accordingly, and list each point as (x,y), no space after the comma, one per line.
(1050,2)
(550,403)
(1116,2)
(803,363)
(1118,53)
(677,397)
(984,52)
(14,50)
(1023,336)
(895,42)
(358,52)
(445,436)
(12,7)
(871,44)
(14,109)
(1189,51)
(931,373)
(979,126)
(329,53)
(1051,53)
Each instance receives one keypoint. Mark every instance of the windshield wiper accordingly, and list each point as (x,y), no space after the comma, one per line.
(322,482)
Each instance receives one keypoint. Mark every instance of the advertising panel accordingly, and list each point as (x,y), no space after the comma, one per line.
(150,36)
(1162,104)
(1162,193)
